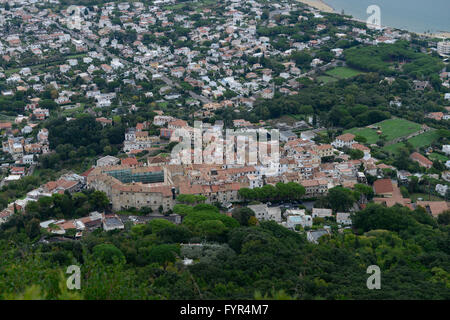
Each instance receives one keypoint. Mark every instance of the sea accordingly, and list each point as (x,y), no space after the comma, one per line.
(420,16)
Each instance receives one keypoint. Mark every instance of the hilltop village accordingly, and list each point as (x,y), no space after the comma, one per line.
(94,97)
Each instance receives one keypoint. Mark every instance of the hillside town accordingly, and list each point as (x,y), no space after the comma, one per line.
(206,78)
(170,134)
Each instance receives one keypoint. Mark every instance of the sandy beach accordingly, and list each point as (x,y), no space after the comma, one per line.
(318,4)
(441,35)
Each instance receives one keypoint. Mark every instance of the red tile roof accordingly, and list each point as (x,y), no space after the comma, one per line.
(346,137)
(129,161)
(383,186)
(421,159)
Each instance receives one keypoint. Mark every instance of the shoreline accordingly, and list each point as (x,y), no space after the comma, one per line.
(322,6)
(319,5)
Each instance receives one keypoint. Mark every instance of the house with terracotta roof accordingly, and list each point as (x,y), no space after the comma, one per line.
(422,160)
(314,188)
(362,148)
(324,150)
(177,124)
(435,115)
(383,187)
(344,140)
(434,208)
(5,125)
(61,185)
(131,161)
(389,194)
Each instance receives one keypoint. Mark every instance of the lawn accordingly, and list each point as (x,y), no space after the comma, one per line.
(391,128)
(396,128)
(72,111)
(368,133)
(419,141)
(438,156)
(425,197)
(425,139)
(343,72)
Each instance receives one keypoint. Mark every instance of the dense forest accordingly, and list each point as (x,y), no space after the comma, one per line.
(239,259)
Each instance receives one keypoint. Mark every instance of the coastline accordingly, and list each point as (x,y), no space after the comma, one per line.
(318,4)
(322,6)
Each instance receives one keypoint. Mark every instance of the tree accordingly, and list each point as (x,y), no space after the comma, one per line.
(356,154)
(444,218)
(98,200)
(402,161)
(182,209)
(364,189)
(290,191)
(267,193)
(211,228)
(163,254)
(360,139)
(247,194)
(32,228)
(376,217)
(243,215)
(191,198)
(108,253)
(156,225)
(340,199)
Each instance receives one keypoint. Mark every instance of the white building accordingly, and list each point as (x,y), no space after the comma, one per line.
(443,48)
(343,218)
(263,212)
(321,213)
(107,161)
(446,149)
(345,140)
(297,217)
(254,181)
(441,189)
(28,159)
(162,120)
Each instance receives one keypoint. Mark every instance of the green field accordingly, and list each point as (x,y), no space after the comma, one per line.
(438,156)
(368,133)
(343,72)
(425,197)
(419,141)
(425,139)
(391,128)
(393,148)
